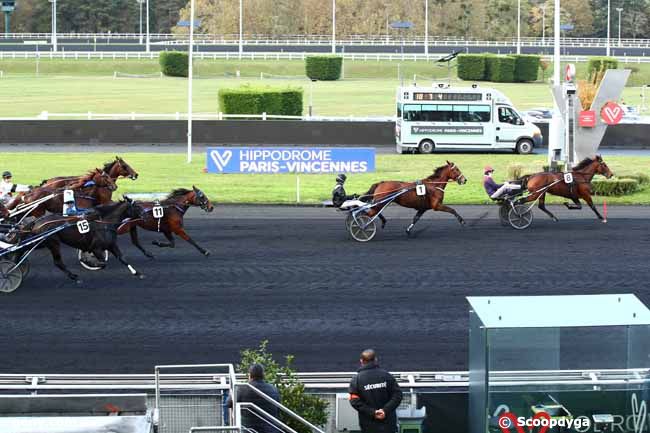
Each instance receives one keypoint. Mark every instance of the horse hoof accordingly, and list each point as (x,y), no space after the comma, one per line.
(150,256)
(462,222)
(78,281)
(206,253)
(604,221)
(556,220)
(140,276)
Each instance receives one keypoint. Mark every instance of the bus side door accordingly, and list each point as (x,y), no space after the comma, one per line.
(509,126)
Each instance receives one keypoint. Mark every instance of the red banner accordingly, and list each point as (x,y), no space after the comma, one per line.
(587,119)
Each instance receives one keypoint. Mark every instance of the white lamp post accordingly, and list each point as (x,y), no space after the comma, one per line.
(543,23)
(54,41)
(426,27)
(241,28)
(189,85)
(140,3)
(148,48)
(518,26)
(609,9)
(333,26)
(619,25)
(556,44)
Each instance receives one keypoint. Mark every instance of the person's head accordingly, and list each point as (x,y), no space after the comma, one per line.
(255,372)
(368,356)
(341,178)
(6,176)
(488,170)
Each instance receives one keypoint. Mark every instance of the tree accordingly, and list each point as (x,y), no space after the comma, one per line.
(292,392)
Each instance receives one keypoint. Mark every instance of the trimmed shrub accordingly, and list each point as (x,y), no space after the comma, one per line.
(258,100)
(490,66)
(597,64)
(615,187)
(526,67)
(174,63)
(471,67)
(500,69)
(323,68)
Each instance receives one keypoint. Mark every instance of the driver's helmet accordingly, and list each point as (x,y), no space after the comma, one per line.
(341,178)
(6,174)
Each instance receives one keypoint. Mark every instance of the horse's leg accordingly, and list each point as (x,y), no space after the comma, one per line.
(444,208)
(383,220)
(590,202)
(170,244)
(55,249)
(115,250)
(183,235)
(415,220)
(133,232)
(542,206)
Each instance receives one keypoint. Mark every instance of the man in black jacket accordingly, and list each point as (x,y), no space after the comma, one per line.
(375,394)
(247,395)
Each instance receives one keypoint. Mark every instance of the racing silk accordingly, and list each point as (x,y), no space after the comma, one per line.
(339,196)
(490,185)
(7,189)
(374,388)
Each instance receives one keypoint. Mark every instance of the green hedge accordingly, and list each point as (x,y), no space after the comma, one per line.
(526,67)
(471,67)
(258,100)
(323,68)
(174,63)
(500,69)
(596,64)
(615,187)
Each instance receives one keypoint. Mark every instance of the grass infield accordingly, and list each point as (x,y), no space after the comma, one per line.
(162,172)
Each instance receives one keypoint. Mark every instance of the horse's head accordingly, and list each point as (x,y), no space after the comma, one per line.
(102,179)
(200,199)
(124,169)
(602,168)
(454,173)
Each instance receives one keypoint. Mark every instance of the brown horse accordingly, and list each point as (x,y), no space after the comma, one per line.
(173,209)
(115,169)
(98,192)
(432,198)
(553,183)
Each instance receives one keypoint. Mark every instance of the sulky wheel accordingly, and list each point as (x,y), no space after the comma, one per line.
(504,208)
(88,260)
(520,217)
(10,276)
(24,268)
(362,228)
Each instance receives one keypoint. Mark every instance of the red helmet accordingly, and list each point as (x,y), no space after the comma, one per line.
(488,169)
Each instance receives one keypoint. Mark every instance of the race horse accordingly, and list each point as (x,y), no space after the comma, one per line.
(166,217)
(115,169)
(539,184)
(95,232)
(432,198)
(99,191)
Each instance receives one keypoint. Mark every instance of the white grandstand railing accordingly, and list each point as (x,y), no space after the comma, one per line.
(127,55)
(45,115)
(347,39)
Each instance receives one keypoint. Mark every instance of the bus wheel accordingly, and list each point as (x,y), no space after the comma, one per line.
(524,147)
(426,146)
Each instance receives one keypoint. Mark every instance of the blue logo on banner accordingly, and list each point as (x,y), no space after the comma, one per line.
(290,160)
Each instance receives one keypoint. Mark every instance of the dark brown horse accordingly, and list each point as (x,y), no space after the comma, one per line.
(98,192)
(173,210)
(553,183)
(115,169)
(434,194)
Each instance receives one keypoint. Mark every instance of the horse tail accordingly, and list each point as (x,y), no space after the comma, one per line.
(368,196)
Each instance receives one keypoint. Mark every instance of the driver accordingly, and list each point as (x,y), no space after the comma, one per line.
(8,187)
(339,197)
(493,189)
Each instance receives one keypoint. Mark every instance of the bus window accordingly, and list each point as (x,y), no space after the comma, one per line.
(479,113)
(412,112)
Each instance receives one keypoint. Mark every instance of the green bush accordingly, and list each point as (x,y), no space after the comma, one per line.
(471,67)
(258,100)
(500,69)
(323,68)
(615,187)
(526,67)
(174,63)
(292,392)
(596,64)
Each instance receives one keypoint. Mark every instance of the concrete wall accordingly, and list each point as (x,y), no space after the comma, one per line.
(241,132)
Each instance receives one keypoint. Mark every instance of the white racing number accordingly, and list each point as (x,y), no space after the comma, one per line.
(568,177)
(83,227)
(158,212)
(420,190)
